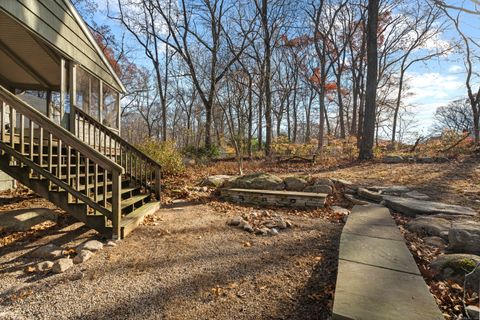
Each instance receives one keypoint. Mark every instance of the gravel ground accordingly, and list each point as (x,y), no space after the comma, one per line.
(186,263)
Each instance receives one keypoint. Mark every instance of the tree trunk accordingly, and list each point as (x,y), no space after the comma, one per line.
(368,132)
(397,107)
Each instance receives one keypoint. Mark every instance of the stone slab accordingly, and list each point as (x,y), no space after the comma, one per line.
(24,219)
(384,253)
(412,207)
(371,215)
(366,292)
(374,231)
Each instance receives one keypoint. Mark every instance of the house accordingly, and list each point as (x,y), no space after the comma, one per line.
(60,119)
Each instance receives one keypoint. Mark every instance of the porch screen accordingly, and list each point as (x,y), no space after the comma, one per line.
(110,112)
(88,88)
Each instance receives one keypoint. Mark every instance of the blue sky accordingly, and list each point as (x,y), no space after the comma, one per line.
(433,84)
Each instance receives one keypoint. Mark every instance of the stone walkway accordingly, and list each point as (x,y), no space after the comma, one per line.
(377,276)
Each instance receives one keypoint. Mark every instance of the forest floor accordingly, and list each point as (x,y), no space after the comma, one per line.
(184,262)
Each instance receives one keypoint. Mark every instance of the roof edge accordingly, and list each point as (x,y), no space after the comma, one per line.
(88,34)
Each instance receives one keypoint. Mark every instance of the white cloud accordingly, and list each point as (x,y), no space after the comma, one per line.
(433,86)
(455,69)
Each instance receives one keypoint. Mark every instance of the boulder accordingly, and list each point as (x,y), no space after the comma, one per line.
(370,195)
(295,183)
(215,181)
(44,266)
(319,189)
(261,181)
(455,266)
(247,227)
(91,245)
(62,265)
(83,256)
(436,242)
(344,183)
(393,159)
(416,195)
(49,251)
(412,207)
(464,237)
(323,182)
(430,226)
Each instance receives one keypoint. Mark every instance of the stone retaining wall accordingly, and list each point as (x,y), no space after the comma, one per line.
(275,198)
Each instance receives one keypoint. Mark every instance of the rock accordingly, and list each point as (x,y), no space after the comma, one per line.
(441,159)
(236,221)
(273,231)
(262,231)
(390,190)
(111,243)
(434,241)
(319,189)
(340,210)
(412,207)
(370,195)
(44,266)
(425,160)
(261,181)
(464,237)
(247,227)
(354,200)
(215,181)
(416,195)
(455,266)
(295,183)
(62,265)
(49,251)
(83,256)
(344,183)
(393,159)
(323,182)
(91,245)
(473,312)
(430,226)
(281,224)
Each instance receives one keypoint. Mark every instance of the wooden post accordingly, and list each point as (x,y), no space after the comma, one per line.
(116,203)
(119,116)
(73,97)
(63,84)
(100,102)
(158,175)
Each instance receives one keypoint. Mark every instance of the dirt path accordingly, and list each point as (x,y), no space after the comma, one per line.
(184,264)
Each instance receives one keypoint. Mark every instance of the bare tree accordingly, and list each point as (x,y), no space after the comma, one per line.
(368,132)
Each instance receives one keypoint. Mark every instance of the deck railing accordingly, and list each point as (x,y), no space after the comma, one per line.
(32,140)
(137,165)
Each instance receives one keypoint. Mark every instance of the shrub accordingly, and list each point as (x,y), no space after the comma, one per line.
(202,153)
(166,154)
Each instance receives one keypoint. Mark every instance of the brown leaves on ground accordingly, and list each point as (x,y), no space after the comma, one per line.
(448,294)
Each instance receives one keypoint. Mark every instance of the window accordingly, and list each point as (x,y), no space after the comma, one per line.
(110,111)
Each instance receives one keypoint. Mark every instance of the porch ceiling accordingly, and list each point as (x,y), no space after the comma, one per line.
(26,62)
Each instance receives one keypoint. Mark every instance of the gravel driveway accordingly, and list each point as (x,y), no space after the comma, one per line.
(185,263)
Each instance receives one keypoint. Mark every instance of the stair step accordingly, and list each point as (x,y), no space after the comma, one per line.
(133,219)
(133,200)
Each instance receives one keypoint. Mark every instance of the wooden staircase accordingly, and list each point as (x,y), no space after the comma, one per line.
(89,171)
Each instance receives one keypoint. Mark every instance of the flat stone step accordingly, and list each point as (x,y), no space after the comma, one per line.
(377,275)
(276,198)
